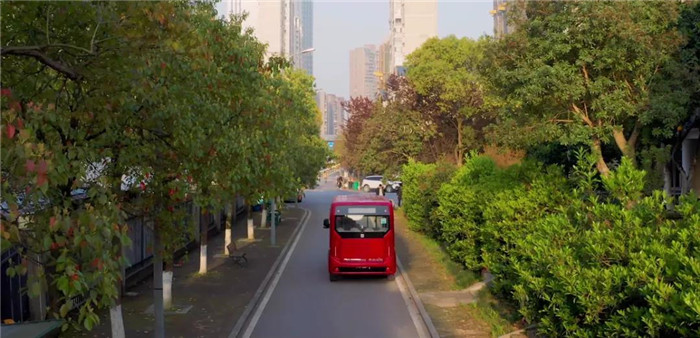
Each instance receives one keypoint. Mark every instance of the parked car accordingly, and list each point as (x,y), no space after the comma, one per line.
(373,182)
(295,198)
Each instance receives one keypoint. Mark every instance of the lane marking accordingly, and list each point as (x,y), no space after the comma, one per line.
(258,293)
(275,280)
(421,319)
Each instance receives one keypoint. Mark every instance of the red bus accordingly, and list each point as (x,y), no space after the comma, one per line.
(361,236)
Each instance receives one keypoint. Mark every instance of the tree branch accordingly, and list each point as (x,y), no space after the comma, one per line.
(632,141)
(583,116)
(34,53)
(11,49)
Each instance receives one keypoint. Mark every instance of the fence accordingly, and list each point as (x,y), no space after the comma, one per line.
(15,301)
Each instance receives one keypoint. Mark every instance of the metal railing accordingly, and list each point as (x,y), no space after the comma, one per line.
(15,300)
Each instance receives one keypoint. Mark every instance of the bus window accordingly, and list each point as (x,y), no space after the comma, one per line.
(373,226)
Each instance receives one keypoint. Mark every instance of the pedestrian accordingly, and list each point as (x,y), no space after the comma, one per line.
(399,193)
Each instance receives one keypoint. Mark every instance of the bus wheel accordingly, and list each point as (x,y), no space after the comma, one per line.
(390,277)
(333,277)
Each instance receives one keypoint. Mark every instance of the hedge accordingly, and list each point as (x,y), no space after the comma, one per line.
(579,256)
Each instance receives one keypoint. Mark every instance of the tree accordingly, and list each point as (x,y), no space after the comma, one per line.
(448,71)
(583,72)
(63,215)
(360,109)
(114,113)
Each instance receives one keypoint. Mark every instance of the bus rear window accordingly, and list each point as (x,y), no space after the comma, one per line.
(367,224)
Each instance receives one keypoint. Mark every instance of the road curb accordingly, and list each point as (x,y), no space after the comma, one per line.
(427,321)
(253,304)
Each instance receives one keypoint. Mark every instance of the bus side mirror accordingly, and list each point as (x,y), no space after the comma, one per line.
(326,223)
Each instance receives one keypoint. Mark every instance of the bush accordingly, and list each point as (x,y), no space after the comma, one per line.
(462,203)
(512,215)
(420,185)
(606,267)
(580,256)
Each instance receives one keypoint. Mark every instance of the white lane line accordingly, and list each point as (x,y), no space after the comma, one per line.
(412,309)
(271,289)
(259,292)
(421,319)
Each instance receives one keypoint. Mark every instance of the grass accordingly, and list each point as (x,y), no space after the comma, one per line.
(210,274)
(463,278)
(500,318)
(487,311)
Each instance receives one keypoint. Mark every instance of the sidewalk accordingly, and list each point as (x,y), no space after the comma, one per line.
(453,307)
(217,299)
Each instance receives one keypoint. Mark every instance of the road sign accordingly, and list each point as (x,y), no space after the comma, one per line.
(330,144)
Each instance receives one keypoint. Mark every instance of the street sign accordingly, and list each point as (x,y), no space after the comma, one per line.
(330,144)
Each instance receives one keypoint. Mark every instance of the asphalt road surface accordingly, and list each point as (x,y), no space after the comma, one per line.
(304,303)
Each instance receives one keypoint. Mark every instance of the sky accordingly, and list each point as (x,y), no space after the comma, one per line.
(340,26)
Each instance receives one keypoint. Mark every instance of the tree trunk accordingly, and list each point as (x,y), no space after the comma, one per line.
(600,163)
(627,146)
(273,226)
(203,238)
(230,210)
(459,152)
(115,312)
(158,283)
(251,228)
(263,216)
(168,286)
(116,318)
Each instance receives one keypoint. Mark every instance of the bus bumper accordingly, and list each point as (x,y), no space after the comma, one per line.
(338,267)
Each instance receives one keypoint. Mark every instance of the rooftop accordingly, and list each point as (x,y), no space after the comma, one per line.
(361,198)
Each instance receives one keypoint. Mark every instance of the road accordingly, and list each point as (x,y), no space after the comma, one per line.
(304,303)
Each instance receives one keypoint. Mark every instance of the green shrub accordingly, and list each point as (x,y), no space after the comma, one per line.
(605,267)
(463,200)
(511,216)
(420,185)
(580,256)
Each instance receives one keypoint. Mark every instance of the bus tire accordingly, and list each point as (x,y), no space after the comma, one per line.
(390,277)
(333,277)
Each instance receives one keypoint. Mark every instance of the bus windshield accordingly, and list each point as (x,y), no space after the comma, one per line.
(370,225)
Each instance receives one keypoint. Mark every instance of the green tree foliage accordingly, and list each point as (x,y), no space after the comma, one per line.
(360,109)
(448,70)
(421,184)
(575,259)
(142,105)
(584,72)
(402,125)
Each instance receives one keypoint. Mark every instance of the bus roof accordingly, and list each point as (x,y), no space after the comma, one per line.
(361,198)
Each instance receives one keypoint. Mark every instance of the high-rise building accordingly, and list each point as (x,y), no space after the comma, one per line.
(500,22)
(307,20)
(280,24)
(334,115)
(321,103)
(363,65)
(383,68)
(411,22)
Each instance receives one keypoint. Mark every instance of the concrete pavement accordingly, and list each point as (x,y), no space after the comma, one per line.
(304,303)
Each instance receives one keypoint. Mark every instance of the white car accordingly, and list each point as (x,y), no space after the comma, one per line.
(373,182)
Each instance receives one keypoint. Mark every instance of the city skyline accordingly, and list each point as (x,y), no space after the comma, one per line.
(335,25)
(332,113)
(336,31)
(286,26)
